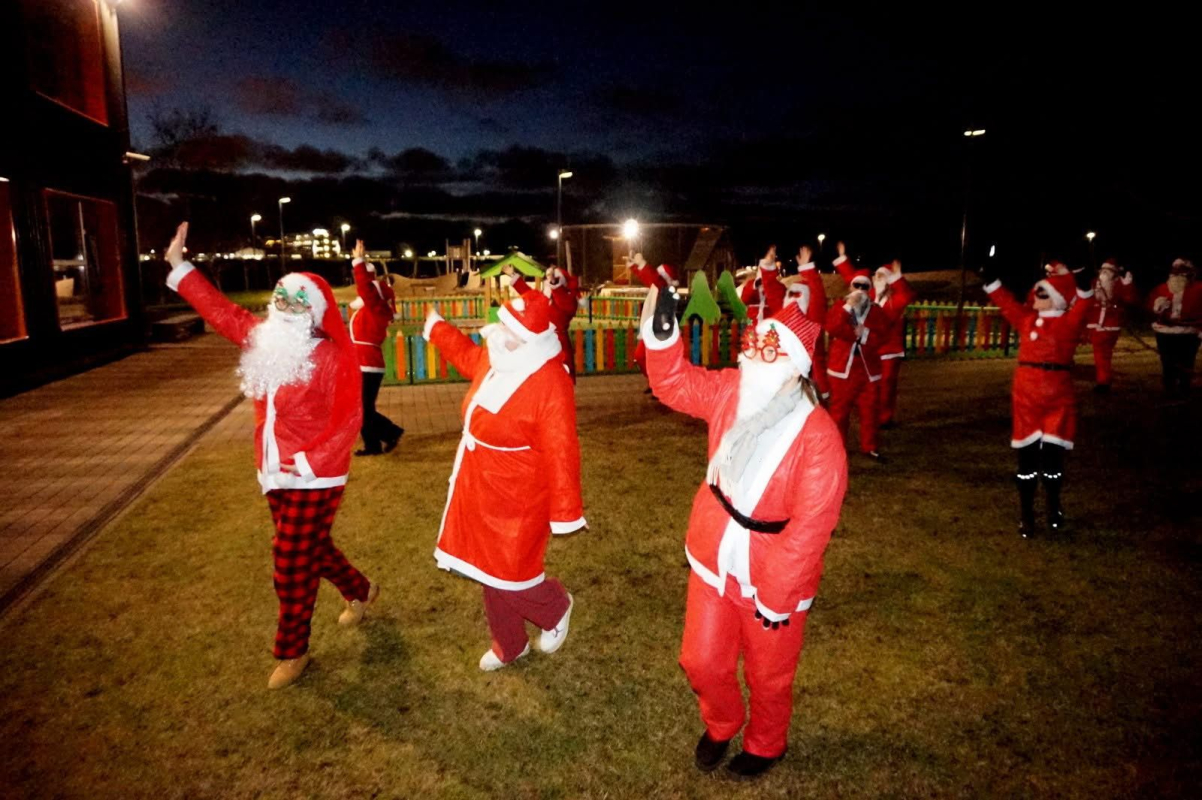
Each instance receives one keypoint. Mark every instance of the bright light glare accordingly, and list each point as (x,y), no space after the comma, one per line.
(630,229)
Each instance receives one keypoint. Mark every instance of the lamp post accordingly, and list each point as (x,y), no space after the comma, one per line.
(344,228)
(563,173)
(630,232)
(971,134)
(821,239)
(281,203)
(245,268)
(1089,237)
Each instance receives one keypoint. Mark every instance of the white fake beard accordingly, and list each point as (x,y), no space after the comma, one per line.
(1177,283)
(759,382)
(503,347)
(280,353)
(881,287)
(1106,283)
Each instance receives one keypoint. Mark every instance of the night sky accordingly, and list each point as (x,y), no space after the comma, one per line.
(779,122)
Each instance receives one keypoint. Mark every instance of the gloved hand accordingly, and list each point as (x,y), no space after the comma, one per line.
(664,317)
(1084,278)
(769,625)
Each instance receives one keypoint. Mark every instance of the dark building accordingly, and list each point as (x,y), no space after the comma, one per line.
(69,287)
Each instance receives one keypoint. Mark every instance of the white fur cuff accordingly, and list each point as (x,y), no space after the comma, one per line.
(178,274)
(430,323)
(648,335)
(990,288)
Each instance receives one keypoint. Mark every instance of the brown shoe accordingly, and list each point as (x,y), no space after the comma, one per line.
(287,671)
(352,615)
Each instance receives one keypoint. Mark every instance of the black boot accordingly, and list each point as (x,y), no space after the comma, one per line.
(1027,484)
(746,766)
(1053,479)
(709,753)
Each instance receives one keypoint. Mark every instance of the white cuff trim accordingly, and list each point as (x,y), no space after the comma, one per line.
(649,340)
(177,274)
(806,267)
(1085,294)
(430,323)
(894,277)
(302,466)
(560,528)
(768,613)
(1065,443)
(990,288)
(839,260)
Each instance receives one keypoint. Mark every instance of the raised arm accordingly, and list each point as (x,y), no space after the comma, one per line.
(230,320)
(680,385)
(1014,311)
(365,284)
(843,265)
(465,355)
(810,276)
(1078,312)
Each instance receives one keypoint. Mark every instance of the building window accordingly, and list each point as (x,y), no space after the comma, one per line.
(86,260)
(12,316)
(66,58)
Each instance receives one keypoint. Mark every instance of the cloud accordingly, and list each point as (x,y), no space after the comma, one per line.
(416,163)
(142,85)
(638,102)
(274,96)
(535,168)
(426,61)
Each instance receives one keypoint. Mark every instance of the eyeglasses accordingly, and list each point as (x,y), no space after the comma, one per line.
(295,304)
(768,345)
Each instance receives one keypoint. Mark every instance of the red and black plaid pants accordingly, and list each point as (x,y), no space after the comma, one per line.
(304,553)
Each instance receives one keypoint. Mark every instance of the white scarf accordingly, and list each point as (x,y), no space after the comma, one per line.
(509,369)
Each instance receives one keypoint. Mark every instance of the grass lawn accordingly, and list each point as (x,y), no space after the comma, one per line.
(944,656)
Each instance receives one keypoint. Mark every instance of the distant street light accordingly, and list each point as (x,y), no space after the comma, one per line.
(487,253)
(282,202)
(971,134)
(1090,236)
(253,219)
(821,239)
(630,229)
(408,254)
(344,227)
(563,174)
(554,234)
(477,233)
(992,250)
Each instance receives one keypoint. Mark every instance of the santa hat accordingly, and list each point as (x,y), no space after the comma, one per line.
(861,280)
(800,292)
(527,316)
(798,335)
(883,271)
(1055,287)
(1054,267)
(1182,266)
(669,274)
(768,264)
(327,318)
(1109,264)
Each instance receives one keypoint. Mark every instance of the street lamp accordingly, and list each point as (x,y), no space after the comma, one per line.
(554,234)
(253,219)
(344,228)
(408,254)
(821,239)
(563,174)
(971,134)
(1089,236)
(281,203)
(477,233)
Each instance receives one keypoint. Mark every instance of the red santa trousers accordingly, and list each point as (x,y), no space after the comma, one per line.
(1103,351)
(890,372)
(1043,406)
(304,554)
(507,612)
(856,390)
(717,630)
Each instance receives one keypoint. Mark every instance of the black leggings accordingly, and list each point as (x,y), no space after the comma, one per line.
(1178,352)
(376,427)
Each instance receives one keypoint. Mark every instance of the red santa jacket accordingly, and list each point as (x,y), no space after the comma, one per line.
(808,274)
(1176,313)
(763,295)
(1044,337)
(1110,310)
(313,425)
(846,348)
(803,480)
(516,477)
(369,323)
(894,303)
(563,311)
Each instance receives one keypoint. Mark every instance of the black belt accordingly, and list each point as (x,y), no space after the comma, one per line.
(1045,365)
(757,525)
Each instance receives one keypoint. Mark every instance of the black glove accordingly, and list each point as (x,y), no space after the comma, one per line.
(663,321)
(988,273)
(768,624)
(1084,278)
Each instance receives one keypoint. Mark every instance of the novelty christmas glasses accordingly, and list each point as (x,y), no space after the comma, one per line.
(768,345)
(294,304)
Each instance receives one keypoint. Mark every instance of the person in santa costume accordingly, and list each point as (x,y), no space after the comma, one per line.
(563,290)
(659,277)
(810,293)
(858,327)
(1113,291)
(892,292)
(765,293)
(1177,306)
(759,525)
(516,476)
(371,314)
(299,367)
(1043,404)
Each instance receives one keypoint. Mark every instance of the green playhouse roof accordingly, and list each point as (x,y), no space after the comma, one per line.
(519,261)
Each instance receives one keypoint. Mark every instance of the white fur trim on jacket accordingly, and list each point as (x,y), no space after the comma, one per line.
(446,561)
(561,528)
(990,288)
(809,265)
(177,274)
(302,466)
(893,277)
(512,322)
(431,321)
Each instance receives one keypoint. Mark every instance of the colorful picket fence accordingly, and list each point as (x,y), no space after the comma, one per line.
(608,347)
(615,308)
(454,307)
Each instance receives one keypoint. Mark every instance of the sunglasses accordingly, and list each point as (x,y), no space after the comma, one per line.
(295,304)
(768,345)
